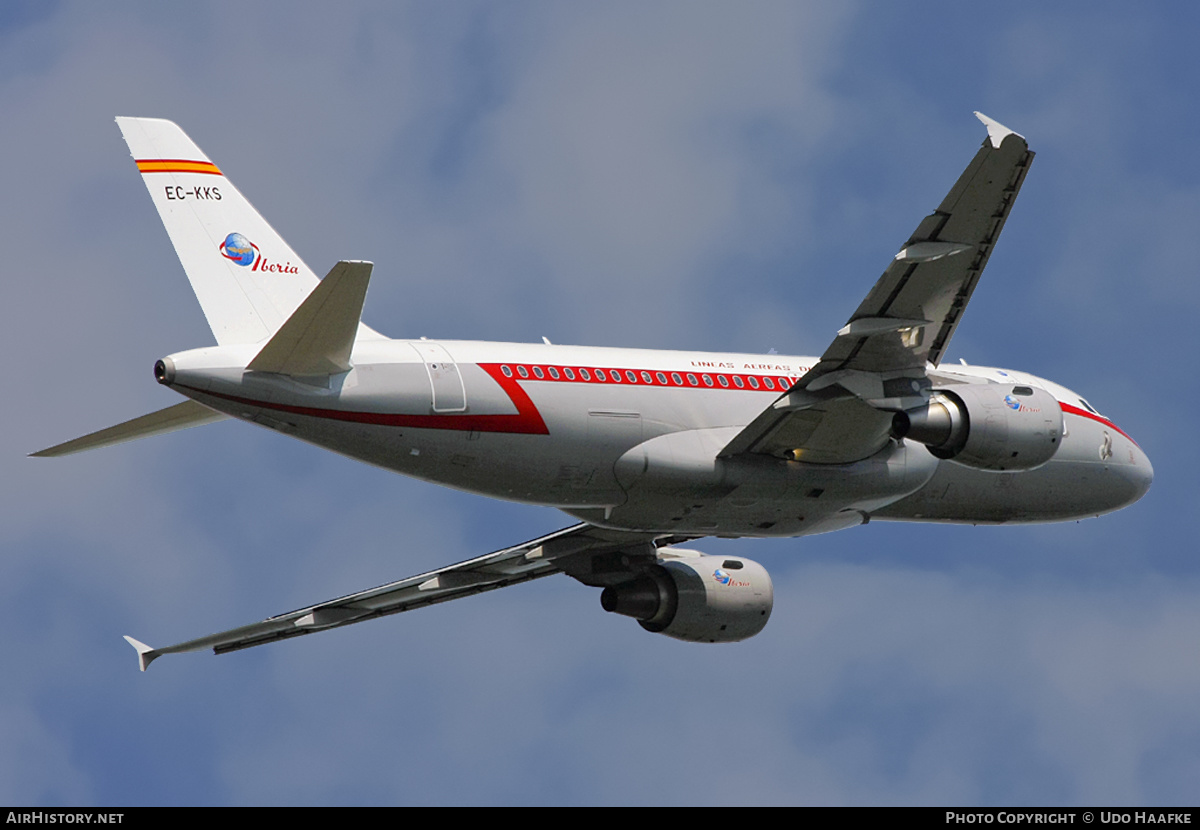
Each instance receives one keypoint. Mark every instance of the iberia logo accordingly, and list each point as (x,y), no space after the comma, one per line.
(239,249)
(1016,406)
(242,251)
(723,577)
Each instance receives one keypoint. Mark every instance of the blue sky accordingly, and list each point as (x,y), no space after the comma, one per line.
(692,175)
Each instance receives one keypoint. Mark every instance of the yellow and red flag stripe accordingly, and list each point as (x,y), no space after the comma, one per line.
(176,166)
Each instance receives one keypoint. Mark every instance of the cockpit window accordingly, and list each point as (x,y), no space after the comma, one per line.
(1087,406)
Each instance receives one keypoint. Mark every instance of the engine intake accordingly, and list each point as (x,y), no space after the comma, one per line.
(690,596)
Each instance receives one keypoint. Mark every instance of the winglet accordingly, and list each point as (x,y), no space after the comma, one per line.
(318,337)
(146,654)
(997,132)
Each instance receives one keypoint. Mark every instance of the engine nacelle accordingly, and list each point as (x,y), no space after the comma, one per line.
(990,426)
(690,596)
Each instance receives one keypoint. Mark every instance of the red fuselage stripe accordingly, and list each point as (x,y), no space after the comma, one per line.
(528,420)
(1083,413)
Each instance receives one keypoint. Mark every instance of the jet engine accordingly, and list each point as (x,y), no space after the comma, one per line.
(989,426)
(691,596)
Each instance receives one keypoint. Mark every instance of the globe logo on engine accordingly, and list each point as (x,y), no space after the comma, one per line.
(239,249)
(720,576)
(1012,403)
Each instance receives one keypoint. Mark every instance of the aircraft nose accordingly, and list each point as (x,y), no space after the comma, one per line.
(1129,482)
(1140,474)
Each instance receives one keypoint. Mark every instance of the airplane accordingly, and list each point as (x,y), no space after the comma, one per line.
(648,450)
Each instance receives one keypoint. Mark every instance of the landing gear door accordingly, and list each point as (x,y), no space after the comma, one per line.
(449,394)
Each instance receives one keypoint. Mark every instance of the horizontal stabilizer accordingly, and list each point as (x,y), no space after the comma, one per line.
(318,337)
(179,416)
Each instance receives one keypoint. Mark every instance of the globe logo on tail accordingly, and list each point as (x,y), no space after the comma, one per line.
(239,249)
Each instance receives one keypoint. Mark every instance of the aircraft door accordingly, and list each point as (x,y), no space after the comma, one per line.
(445,381)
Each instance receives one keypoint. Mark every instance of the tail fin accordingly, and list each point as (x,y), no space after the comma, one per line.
(247,279)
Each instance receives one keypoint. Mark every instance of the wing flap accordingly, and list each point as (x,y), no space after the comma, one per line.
(835,429)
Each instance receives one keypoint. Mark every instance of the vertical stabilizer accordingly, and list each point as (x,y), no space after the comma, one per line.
(247,279)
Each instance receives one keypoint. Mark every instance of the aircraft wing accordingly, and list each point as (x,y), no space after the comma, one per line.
(583,551)
(841,410)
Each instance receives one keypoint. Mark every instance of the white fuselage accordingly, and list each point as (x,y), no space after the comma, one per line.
(629,439)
